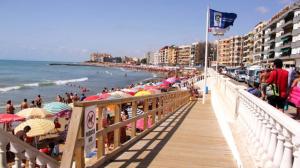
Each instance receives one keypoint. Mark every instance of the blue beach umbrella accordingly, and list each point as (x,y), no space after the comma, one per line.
(58,108)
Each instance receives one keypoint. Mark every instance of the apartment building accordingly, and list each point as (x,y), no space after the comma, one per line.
(258,41)
(195,58)
(172,55)
(150,57)
(163,56)
(99,57)
(184,55)
(248,45)
(281,39)
(156,58)
(230,51)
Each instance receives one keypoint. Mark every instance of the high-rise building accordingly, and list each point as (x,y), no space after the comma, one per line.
(258,41)
(282,37)
(230,51)
(156,58)
(150,57)
(195,58)
(248,41)
(172,55)
(184,55)
(163,56)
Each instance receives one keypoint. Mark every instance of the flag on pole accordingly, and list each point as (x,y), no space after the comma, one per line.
(221,20)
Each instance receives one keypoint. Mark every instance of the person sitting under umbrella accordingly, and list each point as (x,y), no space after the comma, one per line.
(22,133)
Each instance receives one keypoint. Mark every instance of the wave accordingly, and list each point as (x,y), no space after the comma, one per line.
(107,72)
(48,83)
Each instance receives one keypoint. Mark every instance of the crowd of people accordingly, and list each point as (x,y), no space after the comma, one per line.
(277,86)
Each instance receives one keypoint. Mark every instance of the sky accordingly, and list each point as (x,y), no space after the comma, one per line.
(69,30)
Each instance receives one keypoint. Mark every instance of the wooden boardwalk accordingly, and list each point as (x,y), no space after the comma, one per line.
(191,137)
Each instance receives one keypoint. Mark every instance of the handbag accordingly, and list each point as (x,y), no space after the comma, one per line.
(273,89)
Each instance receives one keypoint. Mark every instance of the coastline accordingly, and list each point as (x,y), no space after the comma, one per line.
(147,68)
(157,75)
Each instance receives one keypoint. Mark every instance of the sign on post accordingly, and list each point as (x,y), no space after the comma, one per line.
(89,129)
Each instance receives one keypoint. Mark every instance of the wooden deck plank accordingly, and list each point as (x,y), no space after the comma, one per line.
(189,138)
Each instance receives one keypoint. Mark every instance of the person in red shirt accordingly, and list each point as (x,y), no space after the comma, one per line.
(279,77)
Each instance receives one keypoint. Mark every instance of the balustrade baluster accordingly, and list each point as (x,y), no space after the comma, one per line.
(262,137)
(266,141)
(259,132)
(133,124)
(146,108)
(117,130)
(279,147)
(272,144)
(286,161)
(296,154)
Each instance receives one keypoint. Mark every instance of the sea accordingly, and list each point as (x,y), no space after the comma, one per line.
(27,79)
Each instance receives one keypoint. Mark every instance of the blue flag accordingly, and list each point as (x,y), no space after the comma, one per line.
(221,19)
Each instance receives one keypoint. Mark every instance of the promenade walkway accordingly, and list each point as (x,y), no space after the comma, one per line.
(189,138)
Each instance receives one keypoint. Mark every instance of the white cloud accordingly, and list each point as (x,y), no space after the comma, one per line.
(262,10)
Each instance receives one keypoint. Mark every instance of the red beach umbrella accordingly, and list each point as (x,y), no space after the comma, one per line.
(7,118)
(104,96)
(150,87)
(92,98)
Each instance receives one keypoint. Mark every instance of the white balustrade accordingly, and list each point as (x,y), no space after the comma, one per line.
(23,151)
(273,137)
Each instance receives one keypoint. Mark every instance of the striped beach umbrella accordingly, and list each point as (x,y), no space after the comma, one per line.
(33,113)
(58,108)
(38,127)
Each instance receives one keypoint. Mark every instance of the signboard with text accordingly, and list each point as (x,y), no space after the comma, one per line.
(89,129)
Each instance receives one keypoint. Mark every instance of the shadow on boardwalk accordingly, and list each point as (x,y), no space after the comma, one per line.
(142,153)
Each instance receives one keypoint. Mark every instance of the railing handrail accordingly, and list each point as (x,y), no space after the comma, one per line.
(292,125)
(13,139)
(122,100)
(166,103)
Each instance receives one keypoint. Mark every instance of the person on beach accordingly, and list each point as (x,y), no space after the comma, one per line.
(22,133)
(59,98)
(32,105)
(294,93)
(82,97)
(265,74)
(24,104)
(68,98)
(279,77)
(38,101)
(75,98)
(9,107)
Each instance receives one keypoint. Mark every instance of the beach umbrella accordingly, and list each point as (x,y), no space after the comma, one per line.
(150,87)
(143,93)
(171,80)
(104,96)
(92,98)
(58,108)
(166,82)
(34,113)
(7,118)
(38,127)
(154,91)
(131,91)
(119,94)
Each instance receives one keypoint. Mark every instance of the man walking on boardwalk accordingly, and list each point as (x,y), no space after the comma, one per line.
(279,77)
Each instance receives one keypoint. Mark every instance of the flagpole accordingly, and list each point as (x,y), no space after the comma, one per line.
(206,52)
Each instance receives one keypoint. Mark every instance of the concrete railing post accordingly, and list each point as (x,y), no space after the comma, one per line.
(272,144)
(296,154)
(30,155)
(286,161)
(279,147)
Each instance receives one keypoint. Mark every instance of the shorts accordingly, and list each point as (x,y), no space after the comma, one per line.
(277,101)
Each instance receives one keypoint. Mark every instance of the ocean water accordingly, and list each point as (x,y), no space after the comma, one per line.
(27,79)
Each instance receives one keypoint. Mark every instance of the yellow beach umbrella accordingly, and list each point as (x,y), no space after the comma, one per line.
(143,93)
(38,127)
(33,113)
